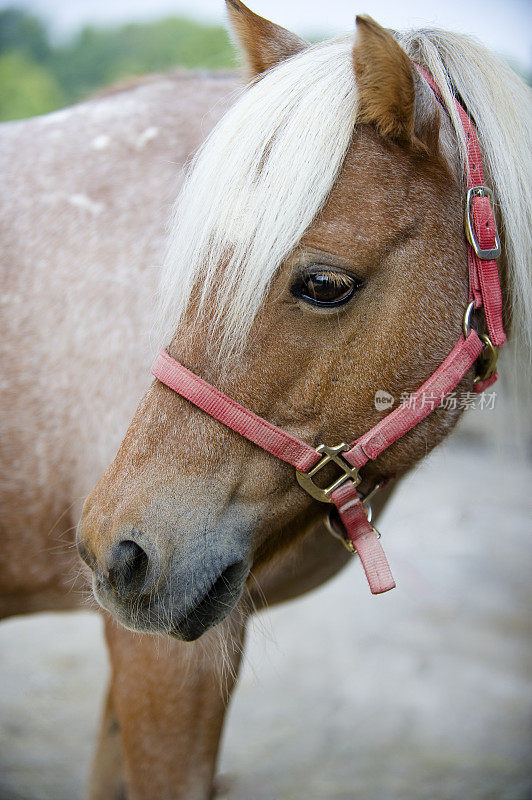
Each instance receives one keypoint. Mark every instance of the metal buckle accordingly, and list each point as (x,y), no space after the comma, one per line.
(329,454)
(485,255)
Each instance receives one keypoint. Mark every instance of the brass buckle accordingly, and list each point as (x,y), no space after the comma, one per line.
(485,255)
(329,454)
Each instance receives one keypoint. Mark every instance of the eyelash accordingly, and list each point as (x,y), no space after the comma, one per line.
(330,280)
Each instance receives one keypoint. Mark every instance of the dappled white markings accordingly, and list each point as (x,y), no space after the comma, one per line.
(147,136)
(101,142)
(83,202)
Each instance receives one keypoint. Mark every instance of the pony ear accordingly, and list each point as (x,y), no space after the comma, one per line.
(264,44)
(387,81)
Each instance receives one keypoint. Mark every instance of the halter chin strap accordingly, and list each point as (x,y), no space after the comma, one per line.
(358,534)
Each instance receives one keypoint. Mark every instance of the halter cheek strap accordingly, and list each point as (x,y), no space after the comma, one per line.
(358,533)
(481,229)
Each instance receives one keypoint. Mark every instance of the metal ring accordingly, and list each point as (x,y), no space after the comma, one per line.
(369,495)
(327,521)
(466,324)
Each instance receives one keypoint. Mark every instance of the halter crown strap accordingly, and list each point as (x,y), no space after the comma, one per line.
(485,290)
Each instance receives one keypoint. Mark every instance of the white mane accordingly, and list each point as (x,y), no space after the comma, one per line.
(258,182)
(267,168)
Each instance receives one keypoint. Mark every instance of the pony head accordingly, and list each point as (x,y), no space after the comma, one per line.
(317,259)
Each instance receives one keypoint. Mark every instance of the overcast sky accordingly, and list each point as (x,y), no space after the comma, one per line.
(504,25)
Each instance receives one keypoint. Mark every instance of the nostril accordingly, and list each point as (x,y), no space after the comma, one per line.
(85,553)
(128,568)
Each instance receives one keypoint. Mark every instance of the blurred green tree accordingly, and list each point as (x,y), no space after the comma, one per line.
(22,32)
(37,76)
(98,56)
(26,88)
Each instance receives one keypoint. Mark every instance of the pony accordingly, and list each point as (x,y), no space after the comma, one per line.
(316,256)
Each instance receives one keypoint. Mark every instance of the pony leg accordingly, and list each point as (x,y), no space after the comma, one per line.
(107,775)
(170,699)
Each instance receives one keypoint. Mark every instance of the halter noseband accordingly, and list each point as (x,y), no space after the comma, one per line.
(484,291)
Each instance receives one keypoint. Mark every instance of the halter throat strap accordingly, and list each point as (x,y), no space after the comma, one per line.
(359,535)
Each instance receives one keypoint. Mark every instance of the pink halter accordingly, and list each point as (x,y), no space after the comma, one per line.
(485,291)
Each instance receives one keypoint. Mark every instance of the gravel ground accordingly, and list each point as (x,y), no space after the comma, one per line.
(421,694)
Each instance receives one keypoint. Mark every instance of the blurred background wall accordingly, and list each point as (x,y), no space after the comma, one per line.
(56,52)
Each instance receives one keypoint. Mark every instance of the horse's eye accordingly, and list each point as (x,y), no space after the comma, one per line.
(320,286)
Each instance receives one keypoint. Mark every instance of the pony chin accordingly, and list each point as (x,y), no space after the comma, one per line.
(164,612)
